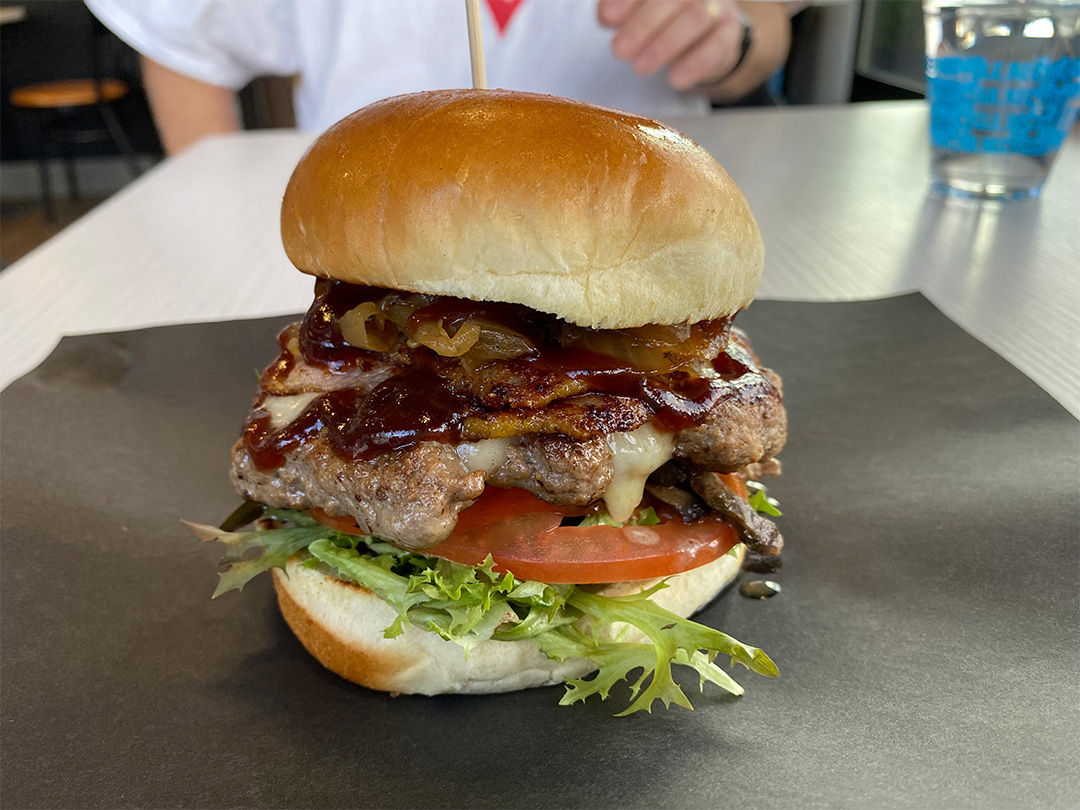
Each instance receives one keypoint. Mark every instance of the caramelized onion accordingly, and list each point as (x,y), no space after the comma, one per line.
(479,333)
(652,348)
(379,336)
(496,343)
(434,336)
(481,340)
(399,308)
(377,325)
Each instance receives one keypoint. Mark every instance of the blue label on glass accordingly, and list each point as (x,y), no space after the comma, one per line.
(978,105)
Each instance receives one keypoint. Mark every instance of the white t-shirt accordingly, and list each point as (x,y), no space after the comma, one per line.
(349,53)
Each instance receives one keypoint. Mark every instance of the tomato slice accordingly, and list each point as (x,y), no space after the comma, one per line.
(570,554)
(501,506)
(497,505)
(345,525)
(737,484)
(522,533)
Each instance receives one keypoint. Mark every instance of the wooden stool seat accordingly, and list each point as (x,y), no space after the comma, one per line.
(71,93)
(60,112)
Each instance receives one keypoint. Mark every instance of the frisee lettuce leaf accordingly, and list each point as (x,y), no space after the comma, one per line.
(461,603)
(643,517)
(675,640)
(760,500)
(472,604)
(277,546)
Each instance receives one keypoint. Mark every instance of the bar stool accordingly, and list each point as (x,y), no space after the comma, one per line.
(56,105)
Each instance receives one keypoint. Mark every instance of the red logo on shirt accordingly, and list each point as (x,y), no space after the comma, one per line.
(502,11)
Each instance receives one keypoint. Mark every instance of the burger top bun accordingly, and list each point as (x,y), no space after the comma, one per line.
(342,624)
(602,218)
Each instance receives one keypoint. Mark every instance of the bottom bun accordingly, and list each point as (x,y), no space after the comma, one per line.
(342,625)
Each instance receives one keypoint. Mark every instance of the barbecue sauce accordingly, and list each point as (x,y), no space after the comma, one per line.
(414,406)
(279,370)
(330,411)
(418,404)
(320,337)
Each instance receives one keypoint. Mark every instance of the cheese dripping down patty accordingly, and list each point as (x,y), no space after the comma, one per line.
(635,455)
(283,411)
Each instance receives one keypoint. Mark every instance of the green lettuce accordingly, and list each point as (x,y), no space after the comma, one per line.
(472,604)
(643,517)
(276,547)
(760,500)
(671,640)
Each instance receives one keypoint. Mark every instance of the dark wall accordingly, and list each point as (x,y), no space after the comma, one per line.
(55,41)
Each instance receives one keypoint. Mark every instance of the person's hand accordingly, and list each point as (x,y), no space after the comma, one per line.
(697,40)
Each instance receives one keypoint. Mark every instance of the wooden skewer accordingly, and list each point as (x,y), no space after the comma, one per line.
(476,44)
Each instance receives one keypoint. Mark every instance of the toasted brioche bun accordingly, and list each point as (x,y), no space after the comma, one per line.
(602,218)
(342,625)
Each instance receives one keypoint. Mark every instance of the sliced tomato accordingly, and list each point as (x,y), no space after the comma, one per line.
(737,484)
(496,505)
(570,554)
(522,533)
(502,506)
(345,525)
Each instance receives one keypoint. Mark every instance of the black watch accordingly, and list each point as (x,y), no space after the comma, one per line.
(744,48)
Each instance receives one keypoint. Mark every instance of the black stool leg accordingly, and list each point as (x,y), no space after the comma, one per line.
(48,205)
(119,137)
(46,189)
(69,167)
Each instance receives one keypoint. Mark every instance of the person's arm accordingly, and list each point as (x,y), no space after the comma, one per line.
(186,109)
(769,47)
(699,41)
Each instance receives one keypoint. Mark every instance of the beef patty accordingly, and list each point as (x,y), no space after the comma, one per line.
(561,451)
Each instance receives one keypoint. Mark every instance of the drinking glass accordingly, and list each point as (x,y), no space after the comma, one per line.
(1003,83)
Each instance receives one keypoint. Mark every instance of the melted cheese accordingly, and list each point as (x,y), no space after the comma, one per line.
(635,456)
(487,454)
(284,410)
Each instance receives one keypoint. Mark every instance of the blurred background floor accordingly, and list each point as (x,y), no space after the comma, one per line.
(23,226)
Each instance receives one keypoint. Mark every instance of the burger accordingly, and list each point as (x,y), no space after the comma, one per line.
(516,439)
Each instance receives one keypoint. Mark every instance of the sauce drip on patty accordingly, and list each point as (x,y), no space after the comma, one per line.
(427,401)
